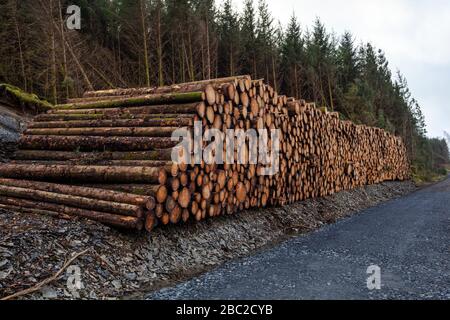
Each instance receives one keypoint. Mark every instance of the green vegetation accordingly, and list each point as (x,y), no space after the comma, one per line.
(14,96)
(125,43)
(432,161)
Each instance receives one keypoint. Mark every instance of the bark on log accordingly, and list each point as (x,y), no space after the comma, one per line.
(138,189)
(33,211)
(73,201)
(103,217)
(89,174)
(94,193)
(162,154)
(90,143)
(153,99)
(114,114)
(105,132)
(110,163)
(159,111)
(174,88)
(142,122)
(100,96)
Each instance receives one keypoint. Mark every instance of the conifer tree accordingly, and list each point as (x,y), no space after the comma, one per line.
(229,37)
(248,40)
(292,56)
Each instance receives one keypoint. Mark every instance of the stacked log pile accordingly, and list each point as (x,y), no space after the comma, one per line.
(326,155)
(107,156)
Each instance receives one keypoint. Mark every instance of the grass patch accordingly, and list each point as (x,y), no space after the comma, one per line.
(422,177)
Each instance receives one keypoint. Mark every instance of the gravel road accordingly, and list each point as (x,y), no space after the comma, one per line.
(408,238)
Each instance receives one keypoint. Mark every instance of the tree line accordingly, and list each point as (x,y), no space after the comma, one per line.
(128,43)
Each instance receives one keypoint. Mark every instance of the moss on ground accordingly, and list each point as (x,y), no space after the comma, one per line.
(15,96)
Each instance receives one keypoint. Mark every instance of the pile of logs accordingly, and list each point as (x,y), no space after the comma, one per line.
(325,155)
(107,156)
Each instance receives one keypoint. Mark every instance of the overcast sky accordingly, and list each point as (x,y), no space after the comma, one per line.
(414,34)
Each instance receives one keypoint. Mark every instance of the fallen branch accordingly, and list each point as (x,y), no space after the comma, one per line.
(46,281)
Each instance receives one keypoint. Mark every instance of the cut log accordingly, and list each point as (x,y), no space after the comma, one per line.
(137,189)
(106,95)
(141,122)
(170,204)
(195,85)
(107,218)
(110,163)
(89,143)
(185,215)
(156,111)
(105,132)
(175,214)
(94,193)
(161,194)
(115,114)
(184,199)
(153,99)
(90,174)
(19,209)
(162,154)
(150,222)
(73,201)
(241,192)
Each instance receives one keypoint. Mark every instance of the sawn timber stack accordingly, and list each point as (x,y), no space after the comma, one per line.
(107,156)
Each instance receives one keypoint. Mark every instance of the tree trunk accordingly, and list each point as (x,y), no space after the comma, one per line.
(90,174)
(208,51)
(139,122)
(105,132)
(107,218)
(80,191)
(89,143)
(159,50)
(182,87)
(154,99)
(19,41)
(63,40)
(144,43)
(53,58)
(46,155)
(73,201)
(149,190)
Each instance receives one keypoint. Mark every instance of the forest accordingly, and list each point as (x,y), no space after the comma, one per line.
(142,43)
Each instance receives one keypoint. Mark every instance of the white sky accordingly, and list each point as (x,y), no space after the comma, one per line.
(414,34)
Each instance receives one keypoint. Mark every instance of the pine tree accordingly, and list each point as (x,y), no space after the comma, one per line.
(322,73)
(292,55)
(265,43)
(248,40)
(180,23)
(347,62)
(229,37)
(205,10)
